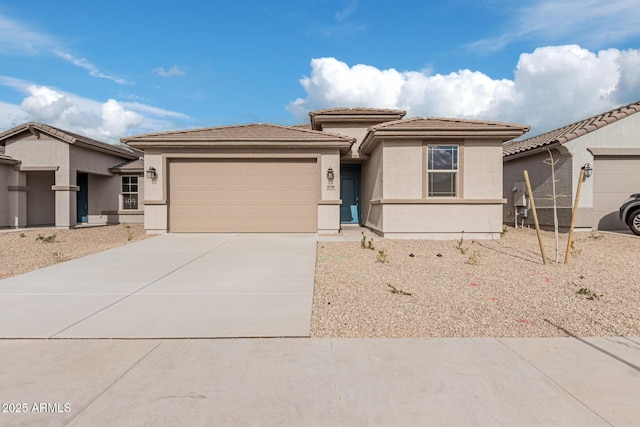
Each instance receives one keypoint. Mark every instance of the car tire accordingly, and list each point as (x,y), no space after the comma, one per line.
(634,222)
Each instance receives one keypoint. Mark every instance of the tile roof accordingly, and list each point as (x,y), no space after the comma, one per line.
(438,123)
(357,111)
(130,166)
(435,128)
(569,132)
(7,159)
(306,126)
(71,138)
(248,132)
(369,116)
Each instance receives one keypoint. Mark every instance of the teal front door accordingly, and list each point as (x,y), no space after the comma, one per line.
(82,200)
(350,194)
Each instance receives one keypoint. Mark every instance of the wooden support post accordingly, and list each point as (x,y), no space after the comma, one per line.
(573,217)
(535,217)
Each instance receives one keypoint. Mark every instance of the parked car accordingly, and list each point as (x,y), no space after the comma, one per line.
(630,213)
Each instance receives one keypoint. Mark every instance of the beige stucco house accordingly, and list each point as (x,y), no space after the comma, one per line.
(414,178)
(608,144)
(49,176)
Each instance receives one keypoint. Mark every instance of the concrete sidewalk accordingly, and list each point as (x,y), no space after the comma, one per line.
(322,382)
(171,286)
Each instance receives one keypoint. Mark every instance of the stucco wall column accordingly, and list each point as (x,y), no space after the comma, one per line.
(66,196)
(18,199)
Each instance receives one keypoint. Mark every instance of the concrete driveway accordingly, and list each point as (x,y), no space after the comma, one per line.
(323,382)
(170,286)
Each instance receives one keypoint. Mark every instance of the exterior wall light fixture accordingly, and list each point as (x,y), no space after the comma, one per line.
(330,174)
(588,170)
(151,173)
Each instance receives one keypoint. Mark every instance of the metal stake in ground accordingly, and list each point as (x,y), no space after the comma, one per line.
(535,216)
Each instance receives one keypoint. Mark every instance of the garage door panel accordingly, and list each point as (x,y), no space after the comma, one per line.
(614,179)
(243,195)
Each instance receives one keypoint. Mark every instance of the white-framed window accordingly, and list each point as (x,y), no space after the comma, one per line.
(129,193)
(442,171)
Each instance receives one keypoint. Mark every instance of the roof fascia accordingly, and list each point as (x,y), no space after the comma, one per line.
(375,135)
(8,161)
(342,145)
(317,119)
(113,150)
(555,145)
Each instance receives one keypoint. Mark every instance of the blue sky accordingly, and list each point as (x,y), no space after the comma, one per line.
(110,69)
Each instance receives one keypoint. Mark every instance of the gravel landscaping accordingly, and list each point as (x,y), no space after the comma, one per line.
(484,288)
(421,288)
(27,250)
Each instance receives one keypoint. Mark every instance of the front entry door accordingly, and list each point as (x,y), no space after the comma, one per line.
(82,198)
(350,194)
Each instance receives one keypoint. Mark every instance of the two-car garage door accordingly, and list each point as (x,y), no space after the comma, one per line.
(243,195)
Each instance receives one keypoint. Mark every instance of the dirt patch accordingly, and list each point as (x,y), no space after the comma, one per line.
(24,251)
(495,288)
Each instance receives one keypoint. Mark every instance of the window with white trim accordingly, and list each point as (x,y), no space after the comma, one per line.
(442,171)
(129,193)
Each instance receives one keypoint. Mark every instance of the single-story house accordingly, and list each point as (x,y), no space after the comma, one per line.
(607,144)
(402,178)
(49,176)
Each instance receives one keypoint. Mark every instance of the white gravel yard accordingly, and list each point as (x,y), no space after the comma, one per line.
(31,249)
(496,288)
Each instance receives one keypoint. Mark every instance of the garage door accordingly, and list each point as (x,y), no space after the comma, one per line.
(275,195)
(614,179)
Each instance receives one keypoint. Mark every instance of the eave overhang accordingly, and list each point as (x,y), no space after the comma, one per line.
(374,136)
(7,160)
(266,143)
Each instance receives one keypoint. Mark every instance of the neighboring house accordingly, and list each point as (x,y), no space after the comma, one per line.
(50,176)
(415,178)
(608,143)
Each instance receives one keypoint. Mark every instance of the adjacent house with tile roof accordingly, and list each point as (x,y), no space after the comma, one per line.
(609,143)
(49,176)
(416,178)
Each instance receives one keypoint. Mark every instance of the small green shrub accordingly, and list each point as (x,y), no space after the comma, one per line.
(461,248)
(588,293)
(46,239)
(575,251)
(129,231)
(364,244)
(474,258)
(397,291)
(382,256)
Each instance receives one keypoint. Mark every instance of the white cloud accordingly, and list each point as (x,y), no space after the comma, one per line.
(552,87)
(18,84)
(175,71)
(158,112)
(334,83)
(348,10)
(116,120)
(88,66)
(108,121)
(17,38)
(592,23)
(47,105)
(343,24)
(11,115)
